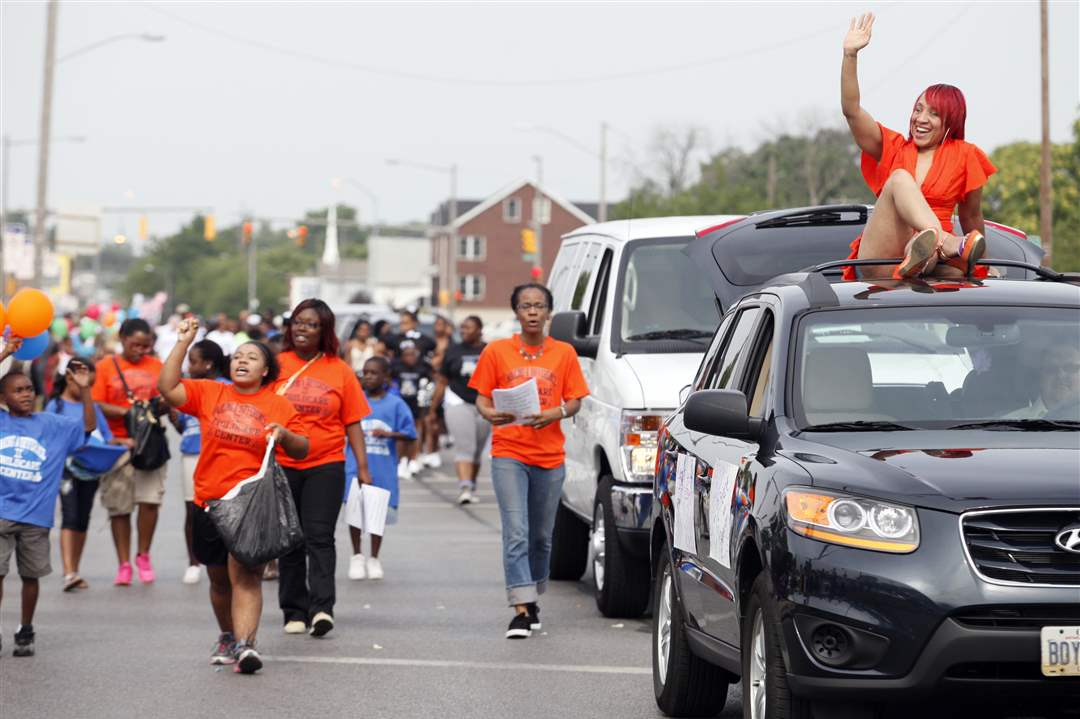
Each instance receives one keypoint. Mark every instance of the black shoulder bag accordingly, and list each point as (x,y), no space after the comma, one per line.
(145,428)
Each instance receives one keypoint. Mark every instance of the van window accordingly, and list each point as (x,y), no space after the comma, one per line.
(565,262)
(599,298)
(585,275)
(665,304)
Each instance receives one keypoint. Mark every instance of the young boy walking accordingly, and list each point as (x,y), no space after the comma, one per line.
(33,449)
(390,420)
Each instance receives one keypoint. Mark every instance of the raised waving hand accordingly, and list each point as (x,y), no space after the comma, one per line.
(858,34)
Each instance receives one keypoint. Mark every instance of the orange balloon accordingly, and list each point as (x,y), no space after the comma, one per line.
(109,319)
(2,321)
(29,313)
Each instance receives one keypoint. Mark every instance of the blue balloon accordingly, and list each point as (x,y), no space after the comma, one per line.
(32,346)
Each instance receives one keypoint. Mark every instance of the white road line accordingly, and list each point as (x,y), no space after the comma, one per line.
(450,664)
(444,505)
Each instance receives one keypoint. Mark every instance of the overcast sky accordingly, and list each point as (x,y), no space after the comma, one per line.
(256,106)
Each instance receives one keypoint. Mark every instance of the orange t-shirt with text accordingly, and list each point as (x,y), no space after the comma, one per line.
(327,395)
(558,379)
(141,378)
(233,432)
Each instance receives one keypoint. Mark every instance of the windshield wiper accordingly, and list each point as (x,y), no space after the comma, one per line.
(1023,425)
(680,334)
(858,426)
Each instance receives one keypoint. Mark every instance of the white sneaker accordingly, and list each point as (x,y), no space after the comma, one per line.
(466,496)
(433,460)
(403,469)
(192,574)
(295,627)
(356,567)
(374,568)
(321,623)
(415,467)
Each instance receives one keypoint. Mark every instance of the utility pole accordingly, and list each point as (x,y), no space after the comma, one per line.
(1046,195)
(43,147)
(538,219)
(602,211)
(3,209)
(453,240)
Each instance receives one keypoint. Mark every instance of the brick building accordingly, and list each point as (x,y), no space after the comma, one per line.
(488,256)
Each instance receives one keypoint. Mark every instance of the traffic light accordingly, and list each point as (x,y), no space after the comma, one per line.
(301,235)
(247,230)
(536,272)
(144,229)
(528,241)
(209,230)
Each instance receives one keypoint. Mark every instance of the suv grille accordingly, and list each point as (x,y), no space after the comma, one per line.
(1019,616)
(1017,546)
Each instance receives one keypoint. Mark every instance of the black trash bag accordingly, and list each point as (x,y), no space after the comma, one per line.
(257,519)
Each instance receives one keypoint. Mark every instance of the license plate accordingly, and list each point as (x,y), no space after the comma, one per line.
(1060,651)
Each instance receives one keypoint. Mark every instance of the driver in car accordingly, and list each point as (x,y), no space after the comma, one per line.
(1059,386)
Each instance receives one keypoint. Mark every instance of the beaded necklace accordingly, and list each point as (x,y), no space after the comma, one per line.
(529,356)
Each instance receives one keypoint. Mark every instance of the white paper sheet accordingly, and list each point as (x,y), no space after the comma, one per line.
(720,519)
(367,507)
(521,401)
(685,506)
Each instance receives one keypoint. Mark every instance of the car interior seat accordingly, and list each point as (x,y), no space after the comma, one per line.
(838,386)
(996,390)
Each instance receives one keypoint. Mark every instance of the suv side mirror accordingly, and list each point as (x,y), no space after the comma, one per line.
(571,327)
(720,412)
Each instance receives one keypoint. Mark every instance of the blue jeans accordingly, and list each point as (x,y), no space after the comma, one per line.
(528,498)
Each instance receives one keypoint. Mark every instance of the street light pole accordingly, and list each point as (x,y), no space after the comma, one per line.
(538,217)
(43,148)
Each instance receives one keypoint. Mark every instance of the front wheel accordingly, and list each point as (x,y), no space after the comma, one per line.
(683,683)
(764,677)
(620,581)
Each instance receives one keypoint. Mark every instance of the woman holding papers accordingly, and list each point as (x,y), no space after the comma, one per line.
(236,420)
(326,393)
(527,450)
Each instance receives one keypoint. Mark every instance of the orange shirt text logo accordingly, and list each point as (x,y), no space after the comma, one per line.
(238,423)
(310,396)
(545,382)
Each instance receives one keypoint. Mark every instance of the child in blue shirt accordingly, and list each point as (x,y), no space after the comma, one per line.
(33,449)
(390,420)
(206,360)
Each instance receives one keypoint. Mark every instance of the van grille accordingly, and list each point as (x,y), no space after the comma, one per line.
(1017,546)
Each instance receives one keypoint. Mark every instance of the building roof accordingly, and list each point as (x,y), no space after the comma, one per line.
(469,209)
(646,227)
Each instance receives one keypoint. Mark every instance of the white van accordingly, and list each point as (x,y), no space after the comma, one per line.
(640,317)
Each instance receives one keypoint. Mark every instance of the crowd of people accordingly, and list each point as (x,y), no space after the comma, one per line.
(372,410)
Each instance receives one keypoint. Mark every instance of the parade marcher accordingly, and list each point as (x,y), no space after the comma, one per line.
(37,445)
(331,405)
(133,373)
(390,421)
(237,420)
(412,374)
(80,484)
(205,360)
(468,430)
(527,469)
(409,330)
(919,180)
(361,346)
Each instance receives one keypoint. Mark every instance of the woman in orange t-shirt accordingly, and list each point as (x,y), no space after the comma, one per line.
(327,394)
(527,453)
(919,181)
(236,420)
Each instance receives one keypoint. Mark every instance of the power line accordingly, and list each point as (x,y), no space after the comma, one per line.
(492,82)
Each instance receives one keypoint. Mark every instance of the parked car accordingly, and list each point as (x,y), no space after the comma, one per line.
(872,495)
(630,296)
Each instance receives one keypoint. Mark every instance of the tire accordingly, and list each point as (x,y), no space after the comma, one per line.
(569,546)
(621,583)
(684,685)
(765,690)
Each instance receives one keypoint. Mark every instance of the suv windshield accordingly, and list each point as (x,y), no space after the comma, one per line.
(662,300)
(1007,368)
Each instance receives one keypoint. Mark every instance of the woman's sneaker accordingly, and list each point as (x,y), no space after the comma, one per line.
(24,641)
(224,651)
(146,570)
(374,568)
(519,627)
(192,574)
(466,496)
(321,623)
(534,616)
(248,660)
(295,626)
(357,567)
(123,575)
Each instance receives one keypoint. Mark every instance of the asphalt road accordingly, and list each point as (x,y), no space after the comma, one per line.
(426,641)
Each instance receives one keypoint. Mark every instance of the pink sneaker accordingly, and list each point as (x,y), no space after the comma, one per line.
(123,575)
(146,572)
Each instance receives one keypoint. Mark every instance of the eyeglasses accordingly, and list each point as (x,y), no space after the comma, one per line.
(305,325)
(538,306)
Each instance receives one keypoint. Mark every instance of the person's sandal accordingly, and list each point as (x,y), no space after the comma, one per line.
(73,582)
(972,249)
(923,248)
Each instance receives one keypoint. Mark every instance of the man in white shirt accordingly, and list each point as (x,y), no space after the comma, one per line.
(1059,386)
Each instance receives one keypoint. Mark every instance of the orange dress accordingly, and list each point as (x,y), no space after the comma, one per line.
(958,168)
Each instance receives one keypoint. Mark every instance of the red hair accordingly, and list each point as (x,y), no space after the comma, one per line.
(951,108)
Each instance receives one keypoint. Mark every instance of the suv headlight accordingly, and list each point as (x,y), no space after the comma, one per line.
(852,521)
(637,440)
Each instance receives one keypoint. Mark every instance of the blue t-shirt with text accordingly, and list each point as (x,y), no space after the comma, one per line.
(390,414)
(32,454)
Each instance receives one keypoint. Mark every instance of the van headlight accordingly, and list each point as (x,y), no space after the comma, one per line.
(637,440)
(852,521)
